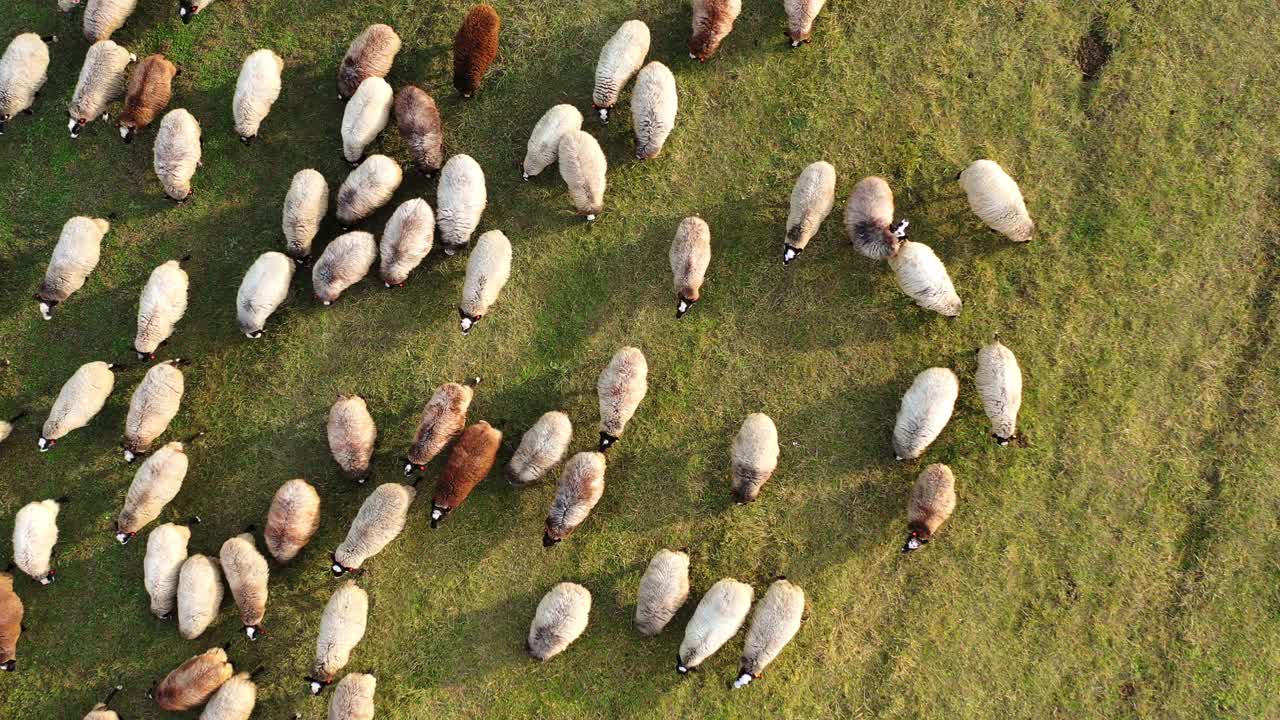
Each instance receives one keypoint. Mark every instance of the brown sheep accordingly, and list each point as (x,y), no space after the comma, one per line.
(474,48)
(471,460)
(149,92)
(712,21)
(419,122)
(10,623)
(371,54)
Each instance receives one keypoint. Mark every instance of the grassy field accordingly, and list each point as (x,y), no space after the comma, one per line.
(1122,564)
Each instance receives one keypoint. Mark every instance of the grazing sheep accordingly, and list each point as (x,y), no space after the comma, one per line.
(368,188)
(932,499)
(690,255)
(995,198)
(999,382)
(79,400)
(926,408)
(74,257)
(583,167)
(867,218)
(469,462)
(620,59)
(247,573)
(153,406)
(188,9)
(580,487)
(293,518)
(443,418)
(371,54)
(712,22)
(560,619)
(474,48)
(365,117)
(541,448)
(460,200)
(381,518)
(162,566)
(104,17)
(341,628)
(23,71)
(148,94)
(11,612)
(653,109)
(234,700)
(663,591)
(35,535)
(773,624)
(102,81)
(353,697)
(488,269)
(754,456)
(154,486)
(161,306)
(344,262)
(923,277)
(199,595)
(352,434)
(102,711)
(6,426)
(263,289)
(406,241)
(177,153)
(192,683)
(544,142)
(257,89)
(419,121)
(304,209)
(621,386)
(811,200)
(720,614)
(800,17)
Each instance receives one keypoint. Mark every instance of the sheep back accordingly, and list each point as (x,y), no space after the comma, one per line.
(367,188)
(149,92)
(999,383)
(583,167)
(867,219)
(162,565)
(162,304)
(406,241)
(247,573)
(177,153)
(775,621)
(79,400)
(443,417)
(996,199)
(381,518)
(371,54)
(926,409)
(74,257)
(923,277)
(304,209)
(620,59)
(541,448)
(712,22)
(653,109)
(621,386)
(469,462)
(199,595)
(263,289)
(292,520)
(420,126)
(154,404)
(754,456)
(344,262)
(812,198)
(352,434)
(561,617)
(718,617)
(580,487)
(342,626)
(157,482)
(663,591)
(366,116)
(461,197)
(544,142)
(690,255)
(192,683)
(257,89)
(474,48)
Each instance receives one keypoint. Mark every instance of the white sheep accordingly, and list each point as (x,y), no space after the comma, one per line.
(153,406)
(353,697)
(620,59)
(104,17)
(162,304)
(304,209)
(717,619)
(544,142)
(924,278)
(926,409)
(162,565)
(933,499)
(342,627)
(35,537)
(235,700)
(443,417)
(868,217)
(344,262)
(775,621)
(488,269)
(653,109)
(102,81)
(199,595)
(24,68)
(621,386)
(157,482)
(352,434)
(367,188)
(812,198)
(800,17)
(561,617)
(541,448)
(583,167)
(754,457)
(263,289)
(381,519)
(995,198)
(365,117)
(292,520)
(999,383)
(257,89)
(690,255)
(460,201)
(580,487)
(177,153)
(75,256)
(406,241)
(79,400)
(663,591)
(247,574)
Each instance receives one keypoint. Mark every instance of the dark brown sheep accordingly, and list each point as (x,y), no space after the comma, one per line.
(474,48)
(150,89)
(419,122)
(193,682)
(471,460)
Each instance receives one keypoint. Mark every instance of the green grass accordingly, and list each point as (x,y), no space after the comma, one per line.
(1123,564)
